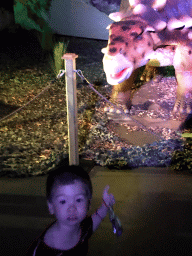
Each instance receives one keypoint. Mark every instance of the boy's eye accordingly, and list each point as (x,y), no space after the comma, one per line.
(62,202)
(79,200)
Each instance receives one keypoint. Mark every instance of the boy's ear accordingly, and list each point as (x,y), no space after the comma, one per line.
(89,204)
(50,207)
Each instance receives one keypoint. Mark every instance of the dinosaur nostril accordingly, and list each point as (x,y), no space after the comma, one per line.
(112,50)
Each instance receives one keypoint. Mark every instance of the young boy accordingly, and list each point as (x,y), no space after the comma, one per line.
(69,194)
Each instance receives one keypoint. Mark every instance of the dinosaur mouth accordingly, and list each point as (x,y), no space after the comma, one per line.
(119,74)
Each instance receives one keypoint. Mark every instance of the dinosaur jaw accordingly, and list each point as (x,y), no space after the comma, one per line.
(119,76)
(117,69)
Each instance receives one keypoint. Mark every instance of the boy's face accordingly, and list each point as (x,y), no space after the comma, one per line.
(69,203)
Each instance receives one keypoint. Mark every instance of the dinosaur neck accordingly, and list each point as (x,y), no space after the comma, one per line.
(161,56)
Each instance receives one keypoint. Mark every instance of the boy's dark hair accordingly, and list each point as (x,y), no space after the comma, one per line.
(66,175)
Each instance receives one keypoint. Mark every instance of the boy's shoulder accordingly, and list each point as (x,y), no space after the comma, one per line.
(48,235)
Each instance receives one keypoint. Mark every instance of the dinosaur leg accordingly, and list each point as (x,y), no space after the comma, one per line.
(121,93)
(150,72)
(183,71)
(184,80)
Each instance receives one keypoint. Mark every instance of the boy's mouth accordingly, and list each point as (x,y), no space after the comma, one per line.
(72,218)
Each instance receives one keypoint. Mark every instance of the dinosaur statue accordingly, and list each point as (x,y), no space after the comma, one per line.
(154,33)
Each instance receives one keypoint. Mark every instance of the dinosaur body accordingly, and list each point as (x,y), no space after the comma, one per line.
(153,32)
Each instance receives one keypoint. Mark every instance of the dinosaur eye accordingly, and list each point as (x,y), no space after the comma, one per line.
(134,34)
(189,52)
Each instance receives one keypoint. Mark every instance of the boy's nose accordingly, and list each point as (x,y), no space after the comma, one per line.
(72,209)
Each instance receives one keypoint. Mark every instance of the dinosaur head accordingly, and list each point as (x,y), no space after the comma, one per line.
(128,47)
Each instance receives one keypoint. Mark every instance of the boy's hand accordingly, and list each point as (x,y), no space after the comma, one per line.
(109,199)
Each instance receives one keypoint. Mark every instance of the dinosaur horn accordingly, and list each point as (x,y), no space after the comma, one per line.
(160,25)
(149,29)
(134,3)
(159,4)
(187,21)
(139,9)
(104,50)
(116,16)
(175,24)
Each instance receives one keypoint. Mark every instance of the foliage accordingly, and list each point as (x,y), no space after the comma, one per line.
(155,154)
(33,14)
(56,61)
(187,135)
(169,71)
(182,160)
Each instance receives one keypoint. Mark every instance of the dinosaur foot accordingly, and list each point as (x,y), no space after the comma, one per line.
(118,110)
(116,114)
(182,106)
(121,103)
(181,110)
(155,78)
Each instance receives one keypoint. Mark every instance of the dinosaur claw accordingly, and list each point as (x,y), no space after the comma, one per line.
(159,4)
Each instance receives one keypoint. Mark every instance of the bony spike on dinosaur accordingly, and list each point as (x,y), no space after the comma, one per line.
(148,30)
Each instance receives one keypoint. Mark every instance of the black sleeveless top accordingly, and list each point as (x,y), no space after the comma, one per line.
(40,248)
